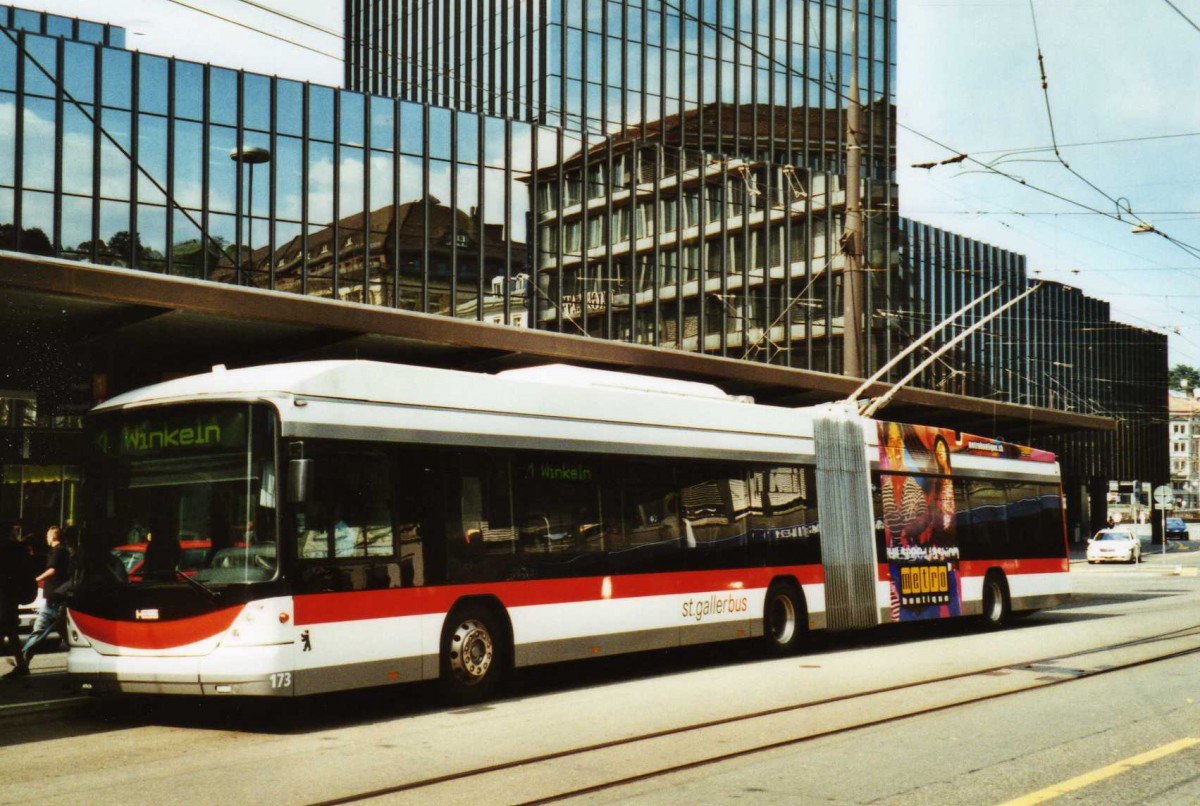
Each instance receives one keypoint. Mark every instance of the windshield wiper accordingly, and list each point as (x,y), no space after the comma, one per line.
(198,585)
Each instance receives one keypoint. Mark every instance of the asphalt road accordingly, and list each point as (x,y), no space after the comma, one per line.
(1130,736)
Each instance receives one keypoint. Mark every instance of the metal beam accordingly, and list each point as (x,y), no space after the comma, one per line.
(398,335)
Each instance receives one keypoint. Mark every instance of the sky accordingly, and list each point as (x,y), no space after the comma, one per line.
(1122,103)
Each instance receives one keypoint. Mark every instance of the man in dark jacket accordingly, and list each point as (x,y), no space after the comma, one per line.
(56,575)
(17,587)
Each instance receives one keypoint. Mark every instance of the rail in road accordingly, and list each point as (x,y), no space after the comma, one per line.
(596,767)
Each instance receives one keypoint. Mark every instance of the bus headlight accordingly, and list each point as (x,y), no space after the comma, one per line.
(261,623)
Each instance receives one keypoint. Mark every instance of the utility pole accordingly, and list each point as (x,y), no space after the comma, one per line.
(852,253)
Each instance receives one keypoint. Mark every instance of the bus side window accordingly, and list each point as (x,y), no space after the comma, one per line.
(989,528)
(1050,532)
(346,528)
(650,525)
(560,523)
(1021,512)
(714,515)
(420,519)
(783,524)
(480,539)
(486,506)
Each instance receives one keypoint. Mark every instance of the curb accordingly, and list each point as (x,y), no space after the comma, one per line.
(43,696)
(40,712)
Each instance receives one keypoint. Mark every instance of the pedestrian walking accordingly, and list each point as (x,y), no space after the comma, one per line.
(53,581)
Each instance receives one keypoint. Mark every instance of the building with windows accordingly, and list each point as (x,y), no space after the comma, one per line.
(632,184)
(1184,411)
(688,186)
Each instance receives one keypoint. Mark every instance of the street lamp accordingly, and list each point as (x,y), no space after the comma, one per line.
(250,155)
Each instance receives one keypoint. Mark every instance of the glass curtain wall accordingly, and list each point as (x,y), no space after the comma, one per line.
(133,160)
(1057,348)
(709,224)
(690,192)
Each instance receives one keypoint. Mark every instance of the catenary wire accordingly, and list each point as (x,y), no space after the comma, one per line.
(1178,11)
(249,27)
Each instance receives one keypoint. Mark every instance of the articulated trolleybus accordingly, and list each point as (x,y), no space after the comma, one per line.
(363,524)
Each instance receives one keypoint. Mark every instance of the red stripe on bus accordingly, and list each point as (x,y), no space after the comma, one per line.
(155,634)
(321,608)
(1053,565)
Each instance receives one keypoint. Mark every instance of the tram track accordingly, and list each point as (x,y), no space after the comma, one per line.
(587,769)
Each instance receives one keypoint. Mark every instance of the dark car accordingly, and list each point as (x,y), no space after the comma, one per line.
(1176,529)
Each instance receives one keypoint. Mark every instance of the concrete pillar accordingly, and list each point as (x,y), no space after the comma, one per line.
(1097,494)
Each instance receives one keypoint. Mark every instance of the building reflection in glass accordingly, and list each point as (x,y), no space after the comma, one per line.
(680,248)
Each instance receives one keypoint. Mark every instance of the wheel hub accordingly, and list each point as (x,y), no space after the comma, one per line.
(472,652)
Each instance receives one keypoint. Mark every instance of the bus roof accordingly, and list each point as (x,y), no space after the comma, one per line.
(565,408)
(560,407)
(391,383)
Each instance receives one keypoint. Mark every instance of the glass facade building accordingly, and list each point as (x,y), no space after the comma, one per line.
(612,67)
(689,180)
(713,229)
(669,174)
(124,159)
(1057,349)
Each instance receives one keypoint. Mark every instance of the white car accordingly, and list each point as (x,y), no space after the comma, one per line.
(1109,545)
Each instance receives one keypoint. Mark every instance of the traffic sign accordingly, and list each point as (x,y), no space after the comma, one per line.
(1163,496)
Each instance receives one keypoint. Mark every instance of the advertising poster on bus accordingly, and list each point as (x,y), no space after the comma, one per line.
(919,517)
(920,543)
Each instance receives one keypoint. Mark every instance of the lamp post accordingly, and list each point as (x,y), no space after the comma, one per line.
(250,155)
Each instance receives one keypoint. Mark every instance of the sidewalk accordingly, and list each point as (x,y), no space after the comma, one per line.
(45,689)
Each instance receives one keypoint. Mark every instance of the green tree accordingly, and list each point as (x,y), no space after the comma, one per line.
(1181,376)
(33,240)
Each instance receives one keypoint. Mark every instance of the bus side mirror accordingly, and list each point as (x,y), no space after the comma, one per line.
(299,480)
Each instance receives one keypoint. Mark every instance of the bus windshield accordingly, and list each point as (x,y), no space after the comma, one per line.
(179,496)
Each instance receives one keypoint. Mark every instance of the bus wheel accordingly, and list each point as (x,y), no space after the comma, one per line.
(473,653)
(783,619)
(995,601)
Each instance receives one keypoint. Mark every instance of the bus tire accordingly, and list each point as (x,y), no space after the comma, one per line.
(996,608)
(474,653)
(784,618)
